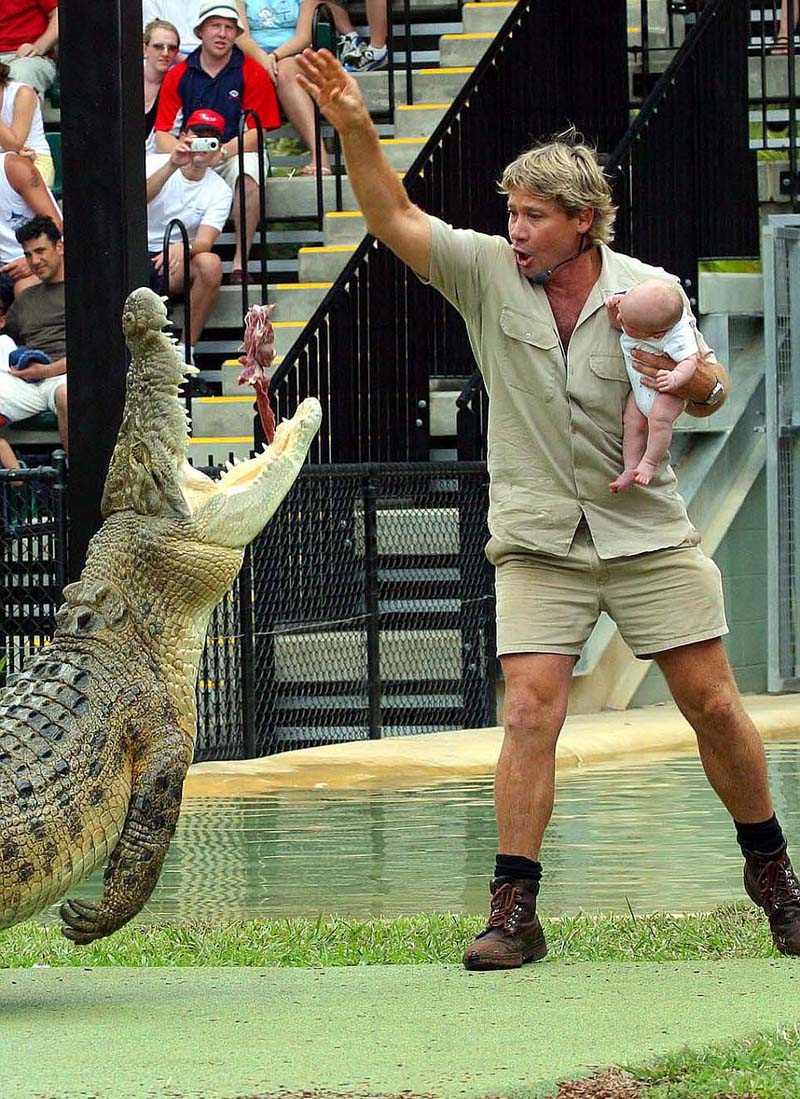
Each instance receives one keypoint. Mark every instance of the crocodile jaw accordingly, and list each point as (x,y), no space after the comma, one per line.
(232,511)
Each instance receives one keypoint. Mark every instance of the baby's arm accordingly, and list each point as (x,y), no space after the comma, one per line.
(667,381)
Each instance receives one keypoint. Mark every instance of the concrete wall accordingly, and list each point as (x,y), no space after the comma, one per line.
(742,557)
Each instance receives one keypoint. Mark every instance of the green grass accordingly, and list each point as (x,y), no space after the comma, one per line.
(735,931)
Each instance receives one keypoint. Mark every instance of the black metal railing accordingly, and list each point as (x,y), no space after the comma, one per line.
(773,102)
(262,207)
(176,223)
(372,345)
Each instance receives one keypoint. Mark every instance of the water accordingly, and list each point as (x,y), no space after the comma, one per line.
(652,835)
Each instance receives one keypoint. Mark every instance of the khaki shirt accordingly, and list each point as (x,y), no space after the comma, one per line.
(555,417)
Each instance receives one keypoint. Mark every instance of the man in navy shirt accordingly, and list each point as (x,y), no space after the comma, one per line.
(217,76)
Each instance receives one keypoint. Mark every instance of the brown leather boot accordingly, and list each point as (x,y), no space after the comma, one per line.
(772,884)
(513,935)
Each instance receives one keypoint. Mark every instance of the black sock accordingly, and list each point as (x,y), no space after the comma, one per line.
(516,867)
(765,839)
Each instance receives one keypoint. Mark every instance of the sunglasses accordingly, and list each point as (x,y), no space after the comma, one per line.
(160,46)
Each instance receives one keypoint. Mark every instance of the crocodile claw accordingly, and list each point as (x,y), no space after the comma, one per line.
(86,922)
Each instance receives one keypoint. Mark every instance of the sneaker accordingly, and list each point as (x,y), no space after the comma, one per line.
(367,61)
(514,934)
(349,44)
(351,47)
(772,884)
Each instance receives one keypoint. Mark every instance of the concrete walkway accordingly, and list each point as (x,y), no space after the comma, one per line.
(435,757)
(378,1031)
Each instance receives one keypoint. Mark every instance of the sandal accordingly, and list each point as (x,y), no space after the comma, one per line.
(311,170)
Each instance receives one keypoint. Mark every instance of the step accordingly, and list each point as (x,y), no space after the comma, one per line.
(294,302)
(344,227)
(419,120)
(204,450)
(430,85)
(401,152)
(775,81)
(732,293)
(325,263)
(297,197)
(488,16)
(464,49)
(224,416)
(443,412)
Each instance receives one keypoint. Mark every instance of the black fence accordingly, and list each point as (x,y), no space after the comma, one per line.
(364,610)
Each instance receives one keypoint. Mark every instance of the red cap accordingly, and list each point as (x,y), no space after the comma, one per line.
(205,117)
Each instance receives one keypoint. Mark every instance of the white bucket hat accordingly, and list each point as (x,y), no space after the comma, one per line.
(225,11)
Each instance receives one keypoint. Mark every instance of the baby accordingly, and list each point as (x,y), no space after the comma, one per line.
(652,316)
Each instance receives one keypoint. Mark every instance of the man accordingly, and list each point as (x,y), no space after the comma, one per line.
(28,38)
(218,76)
(183,184)
(564,547)
(23,195)
(37,321)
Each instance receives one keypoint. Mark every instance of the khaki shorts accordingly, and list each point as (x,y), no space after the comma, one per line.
(659,600)
(229,169)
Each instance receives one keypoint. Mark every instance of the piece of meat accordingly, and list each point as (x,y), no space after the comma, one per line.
(259,351)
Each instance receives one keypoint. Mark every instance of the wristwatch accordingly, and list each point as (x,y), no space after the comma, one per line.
(714,397)
(224,154)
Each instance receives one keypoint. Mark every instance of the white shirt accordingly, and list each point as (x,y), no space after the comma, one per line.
(7,345)
(205,201)
(181,13)
(14,211)
(35,139)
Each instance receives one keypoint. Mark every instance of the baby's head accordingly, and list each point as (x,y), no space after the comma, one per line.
(648,310)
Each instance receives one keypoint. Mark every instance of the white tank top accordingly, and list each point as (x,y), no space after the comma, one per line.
(14,210)
(35,139)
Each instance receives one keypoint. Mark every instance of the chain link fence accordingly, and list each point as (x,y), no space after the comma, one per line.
(781,266)
(364,610)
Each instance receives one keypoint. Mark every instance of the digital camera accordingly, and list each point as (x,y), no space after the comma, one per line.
(205,144)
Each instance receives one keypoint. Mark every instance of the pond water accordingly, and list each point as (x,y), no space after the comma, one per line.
(651,835)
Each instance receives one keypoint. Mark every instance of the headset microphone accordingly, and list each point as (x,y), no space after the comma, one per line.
(539,278)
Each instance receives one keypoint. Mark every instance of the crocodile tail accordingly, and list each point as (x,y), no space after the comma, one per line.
(143,474)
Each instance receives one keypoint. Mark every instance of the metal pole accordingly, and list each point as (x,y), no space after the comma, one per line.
(60,516)
(247,651)
(176,223)
(372,606)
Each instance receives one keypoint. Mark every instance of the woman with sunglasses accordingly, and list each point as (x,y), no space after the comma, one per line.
(161,45)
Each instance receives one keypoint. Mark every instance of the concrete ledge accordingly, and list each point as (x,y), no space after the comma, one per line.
(439,757)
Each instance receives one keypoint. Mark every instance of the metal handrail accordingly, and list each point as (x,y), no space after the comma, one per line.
(248,112)
(176,223)
(323,16)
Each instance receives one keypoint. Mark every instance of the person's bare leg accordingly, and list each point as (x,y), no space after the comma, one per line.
(206,275)
(536,693)
(665,411)
(251,209)
(299,107)
(61,416)
(702,684)
(376,17)
(634,441)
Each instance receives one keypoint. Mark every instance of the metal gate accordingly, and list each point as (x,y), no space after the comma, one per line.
(781,267)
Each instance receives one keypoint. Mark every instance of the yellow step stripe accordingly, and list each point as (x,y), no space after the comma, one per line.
(221,400)
(475,34)
(329,248)
(443,72)
(425,106)
(403,140)
(344,214)
(235,362)
(303,285)
(206,440)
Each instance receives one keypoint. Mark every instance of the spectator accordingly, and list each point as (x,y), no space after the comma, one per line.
(21,125)
(161,43)
(781,44)
(28,38)
(219,77)
(362,56)
(184,184)
(181,14)
(273,36)
(36,323)
(23,195)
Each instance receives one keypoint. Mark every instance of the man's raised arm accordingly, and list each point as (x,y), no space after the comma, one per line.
(389,213)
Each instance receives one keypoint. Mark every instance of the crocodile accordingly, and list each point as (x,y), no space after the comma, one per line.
(98,730)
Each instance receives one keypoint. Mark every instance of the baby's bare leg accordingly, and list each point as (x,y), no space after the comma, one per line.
(663,415)
(634,438)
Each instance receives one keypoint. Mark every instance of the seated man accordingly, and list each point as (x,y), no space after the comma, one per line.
(26,390)
(28,38)
(37,321)
(183,184)
(23,195)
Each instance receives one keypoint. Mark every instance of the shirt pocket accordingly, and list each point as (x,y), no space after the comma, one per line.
(530,354)
(609,386)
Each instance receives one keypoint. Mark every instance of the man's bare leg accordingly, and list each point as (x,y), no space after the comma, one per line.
(536,694)
(251,209)
(206,275)
(61,416)
(702,684)
(634,441)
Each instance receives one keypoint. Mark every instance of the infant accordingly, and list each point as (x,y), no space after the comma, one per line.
(652,317)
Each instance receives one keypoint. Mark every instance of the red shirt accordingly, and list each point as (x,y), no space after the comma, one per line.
(23,21)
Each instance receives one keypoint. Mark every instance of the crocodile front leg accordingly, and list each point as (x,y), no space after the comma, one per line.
(136,861)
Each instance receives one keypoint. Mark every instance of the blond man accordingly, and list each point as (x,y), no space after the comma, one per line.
(563,546)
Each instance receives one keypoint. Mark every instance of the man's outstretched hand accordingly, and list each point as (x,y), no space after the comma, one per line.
(335,91)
